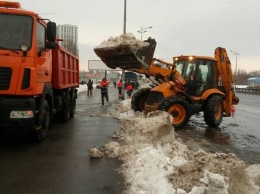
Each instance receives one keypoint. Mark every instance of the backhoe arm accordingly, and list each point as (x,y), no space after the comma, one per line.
(226,75)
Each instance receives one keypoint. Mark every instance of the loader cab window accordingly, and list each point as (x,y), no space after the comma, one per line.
(207,75)
(203,75)
(206,68)
(189,71)
(193,78)
(196,75)
(184,68)
(179,66)
(40,37)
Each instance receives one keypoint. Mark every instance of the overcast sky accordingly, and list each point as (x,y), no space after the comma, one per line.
(179,27)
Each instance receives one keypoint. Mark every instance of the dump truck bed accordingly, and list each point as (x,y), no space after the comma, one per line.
(127,55)
(65,72)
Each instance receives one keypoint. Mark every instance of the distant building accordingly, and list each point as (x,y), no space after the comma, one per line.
(253,81)
(69,34)
(96,75)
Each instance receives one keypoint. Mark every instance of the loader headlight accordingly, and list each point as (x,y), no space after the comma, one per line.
(21,114)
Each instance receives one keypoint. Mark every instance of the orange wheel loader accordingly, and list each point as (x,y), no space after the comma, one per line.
(189,85)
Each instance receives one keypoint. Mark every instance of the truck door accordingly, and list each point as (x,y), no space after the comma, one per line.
(43,56)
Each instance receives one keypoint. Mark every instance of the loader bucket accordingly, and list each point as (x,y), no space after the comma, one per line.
(125,57)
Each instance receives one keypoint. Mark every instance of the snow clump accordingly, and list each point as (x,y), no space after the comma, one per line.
(127,39)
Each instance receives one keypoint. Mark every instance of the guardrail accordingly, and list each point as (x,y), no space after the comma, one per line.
(248,90)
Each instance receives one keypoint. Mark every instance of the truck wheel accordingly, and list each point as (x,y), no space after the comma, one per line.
(73,105)
(139,98)
(179,109)
(43,123)
(213,111)
(66,109)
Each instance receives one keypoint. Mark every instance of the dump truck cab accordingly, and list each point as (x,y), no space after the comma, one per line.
(24,48)
(38,77)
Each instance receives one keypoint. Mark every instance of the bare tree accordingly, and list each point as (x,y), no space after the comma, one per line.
(72,47)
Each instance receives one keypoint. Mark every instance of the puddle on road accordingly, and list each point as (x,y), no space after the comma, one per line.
(232,125)
(227,138)
(217,136)
(88,112)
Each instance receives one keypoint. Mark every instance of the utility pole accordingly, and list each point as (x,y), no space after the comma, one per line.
(124,30)
(123,71)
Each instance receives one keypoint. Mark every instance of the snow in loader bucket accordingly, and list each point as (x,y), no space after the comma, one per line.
(126,52)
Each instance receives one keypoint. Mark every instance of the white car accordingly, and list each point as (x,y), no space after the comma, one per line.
(98,84)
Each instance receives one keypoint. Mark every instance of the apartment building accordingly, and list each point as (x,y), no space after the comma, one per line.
(69,34)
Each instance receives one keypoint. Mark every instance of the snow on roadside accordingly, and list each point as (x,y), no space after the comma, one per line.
(155,162)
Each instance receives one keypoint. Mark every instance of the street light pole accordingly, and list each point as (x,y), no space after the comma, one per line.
(143,31)
(123,71)
(124,30)
(235,53)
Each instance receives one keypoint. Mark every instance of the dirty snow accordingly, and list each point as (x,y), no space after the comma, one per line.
(124,39)
(156,162)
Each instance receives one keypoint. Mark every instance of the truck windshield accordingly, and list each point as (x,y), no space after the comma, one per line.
(14,31)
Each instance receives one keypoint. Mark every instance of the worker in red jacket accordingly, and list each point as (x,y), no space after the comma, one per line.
(119,87)
(129,90)
(104,90)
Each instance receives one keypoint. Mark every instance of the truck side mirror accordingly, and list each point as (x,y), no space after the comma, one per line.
(51,31)
(51,45)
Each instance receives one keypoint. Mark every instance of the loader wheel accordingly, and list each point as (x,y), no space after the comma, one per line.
(139,98)
(66,109)
(73,105)
(43,124)
(179,109)
(213,111)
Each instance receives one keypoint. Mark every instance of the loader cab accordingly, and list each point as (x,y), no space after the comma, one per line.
(198,73)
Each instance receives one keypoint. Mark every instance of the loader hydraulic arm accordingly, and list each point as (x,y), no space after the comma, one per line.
(226,75)
(174,75)
(127,56)
(224,68)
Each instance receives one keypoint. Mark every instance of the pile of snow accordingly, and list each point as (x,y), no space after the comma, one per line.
(156,162)
(82,88)
(127,39)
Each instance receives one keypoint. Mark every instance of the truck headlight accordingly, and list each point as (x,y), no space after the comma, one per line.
(21,114)
(24,47)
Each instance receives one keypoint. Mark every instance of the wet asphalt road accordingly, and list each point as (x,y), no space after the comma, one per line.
(61,164)
(239,135)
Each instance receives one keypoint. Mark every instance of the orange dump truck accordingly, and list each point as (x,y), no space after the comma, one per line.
(38,78)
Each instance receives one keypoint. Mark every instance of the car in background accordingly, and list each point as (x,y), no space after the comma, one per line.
(98,84)
(82,82)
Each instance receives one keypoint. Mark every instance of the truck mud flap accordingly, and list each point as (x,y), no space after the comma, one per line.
(126,58)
